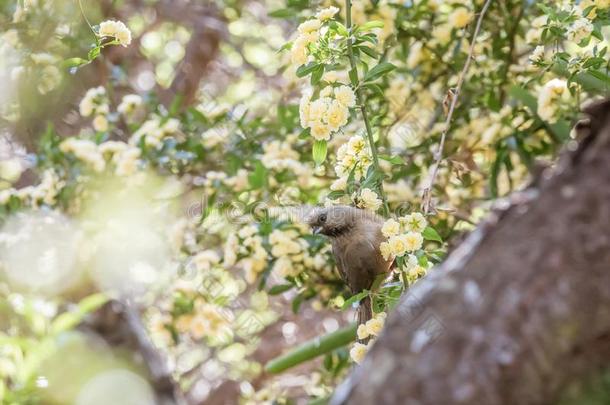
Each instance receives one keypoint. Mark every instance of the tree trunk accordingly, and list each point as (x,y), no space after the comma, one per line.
(517,312)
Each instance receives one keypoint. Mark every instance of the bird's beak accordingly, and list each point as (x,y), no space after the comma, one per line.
(316,229)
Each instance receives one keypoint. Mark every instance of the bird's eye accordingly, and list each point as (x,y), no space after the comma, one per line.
(323,218)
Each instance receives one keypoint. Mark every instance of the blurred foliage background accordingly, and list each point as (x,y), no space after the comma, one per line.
(155,176)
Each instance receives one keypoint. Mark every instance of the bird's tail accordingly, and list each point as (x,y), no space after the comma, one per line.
(365,313)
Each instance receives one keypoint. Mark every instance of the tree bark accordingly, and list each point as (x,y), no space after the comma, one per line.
(517,312)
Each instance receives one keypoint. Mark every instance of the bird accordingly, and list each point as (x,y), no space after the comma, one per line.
(355,235)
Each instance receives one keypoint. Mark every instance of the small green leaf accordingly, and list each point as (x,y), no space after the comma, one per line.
(379,70)
(258,177)
(354,298)
(430,234)
(282,13)
(69,320)
(395,160)
(280,288)
(316,74)
(370,25)
(304,70)
(75,62)
(319,152)
(94,53)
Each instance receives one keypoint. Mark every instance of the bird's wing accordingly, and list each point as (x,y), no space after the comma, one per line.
(361,262)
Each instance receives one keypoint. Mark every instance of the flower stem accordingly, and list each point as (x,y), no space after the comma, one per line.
(361,104)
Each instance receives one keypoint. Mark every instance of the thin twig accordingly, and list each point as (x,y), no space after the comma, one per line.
(359,98)
(82,11)
(426,197)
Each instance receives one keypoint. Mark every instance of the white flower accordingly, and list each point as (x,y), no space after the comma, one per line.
(548,99)
(362,332)
(117,30)
(100,123)
(386,250)
(327,13)
(345,95)
(357,352)
(460,17)
(415,222)
(374,326)
(129,104)
(538,55)
(309,26)
(320,131)
(369,200)
(413,241)
(397,245)
(339,185)
(298,52)
(391,227)
(579,30)
(336,115)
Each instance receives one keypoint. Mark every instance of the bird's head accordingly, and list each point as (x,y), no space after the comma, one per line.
(334,221)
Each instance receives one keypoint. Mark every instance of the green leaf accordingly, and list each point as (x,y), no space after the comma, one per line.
(282,13)
(94,53)
(369,51)
(395,160)
(370,25)
(305,133)
(280,288)
(304,70)
(258,177)
(378,71)
(316,74)
(75,62)
(430,234)
(312,349)
(340,28)
(354,298)
(319,152)
(69,320)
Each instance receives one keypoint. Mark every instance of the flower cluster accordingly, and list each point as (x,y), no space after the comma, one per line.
(117,30)
(291,252)
(371,329)
(308,34)
(154,130)
(245,248)
(550,99)
(95,102)
(327,114)
(404,236)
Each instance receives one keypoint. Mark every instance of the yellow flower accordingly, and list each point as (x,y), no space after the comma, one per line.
(298,52)
(413,241)
(415,222)
(374,326)
(100,123)
(117,30)
(398,245)
(460,17)
(320,131)
(345,95)
(327,13)
(358,352)
(386,250)
(309,26)
(362,331)
(336,116)
(391,227)
(369,199)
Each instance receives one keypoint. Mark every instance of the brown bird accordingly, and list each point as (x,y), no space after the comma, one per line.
(355,235)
